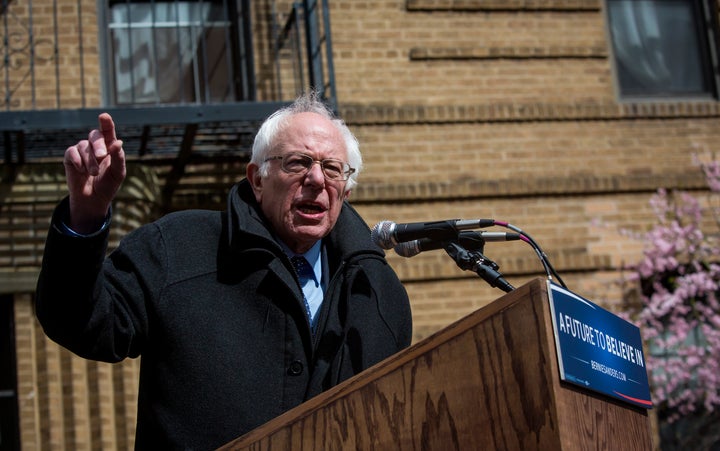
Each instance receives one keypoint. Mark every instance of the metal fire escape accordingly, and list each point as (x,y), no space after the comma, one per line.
(176,133)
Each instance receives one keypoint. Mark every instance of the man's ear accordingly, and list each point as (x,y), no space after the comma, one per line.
(252,173)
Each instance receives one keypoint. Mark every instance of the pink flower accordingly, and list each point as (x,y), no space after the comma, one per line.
(680,313)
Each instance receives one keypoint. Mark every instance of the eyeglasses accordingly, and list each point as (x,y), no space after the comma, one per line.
(299,163)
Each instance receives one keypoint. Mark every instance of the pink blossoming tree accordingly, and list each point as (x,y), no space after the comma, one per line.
(679,313)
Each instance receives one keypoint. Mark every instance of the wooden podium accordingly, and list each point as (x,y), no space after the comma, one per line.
(490,381)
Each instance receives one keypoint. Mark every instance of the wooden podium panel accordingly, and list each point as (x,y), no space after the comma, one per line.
(489,381)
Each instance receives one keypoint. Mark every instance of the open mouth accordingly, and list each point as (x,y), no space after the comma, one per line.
(310,208)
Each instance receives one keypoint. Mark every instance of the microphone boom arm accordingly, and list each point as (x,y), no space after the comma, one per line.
(475,261)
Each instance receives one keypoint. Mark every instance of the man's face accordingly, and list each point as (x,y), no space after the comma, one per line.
(302,208)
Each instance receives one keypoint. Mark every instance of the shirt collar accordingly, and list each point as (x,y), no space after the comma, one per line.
(312,256)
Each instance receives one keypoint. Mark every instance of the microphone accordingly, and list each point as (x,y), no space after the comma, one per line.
(468,240)
(387,234)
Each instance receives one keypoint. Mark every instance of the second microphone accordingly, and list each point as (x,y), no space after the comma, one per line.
(387,234)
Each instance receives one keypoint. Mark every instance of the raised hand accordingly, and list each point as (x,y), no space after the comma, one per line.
(95,170)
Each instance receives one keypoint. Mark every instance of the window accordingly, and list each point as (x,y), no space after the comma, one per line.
(663,48)
(177,51)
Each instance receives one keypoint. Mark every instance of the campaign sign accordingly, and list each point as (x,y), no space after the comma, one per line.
(598,350)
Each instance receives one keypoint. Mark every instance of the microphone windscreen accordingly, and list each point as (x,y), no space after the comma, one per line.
(381,234)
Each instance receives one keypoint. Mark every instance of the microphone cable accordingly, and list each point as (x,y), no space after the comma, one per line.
(549,269)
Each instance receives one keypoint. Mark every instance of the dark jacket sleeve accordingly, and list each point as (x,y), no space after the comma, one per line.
(84,301)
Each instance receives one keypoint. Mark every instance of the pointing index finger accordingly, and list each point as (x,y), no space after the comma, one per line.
(107,128)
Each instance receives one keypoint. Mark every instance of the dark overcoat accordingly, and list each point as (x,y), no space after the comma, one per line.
(210,303)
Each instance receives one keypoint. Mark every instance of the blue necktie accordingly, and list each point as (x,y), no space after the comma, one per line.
(305,273)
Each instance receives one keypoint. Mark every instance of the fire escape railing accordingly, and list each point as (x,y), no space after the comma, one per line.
(27,109)
(318,47)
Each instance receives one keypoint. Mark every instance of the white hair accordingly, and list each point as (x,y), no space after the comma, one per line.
(307,103)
